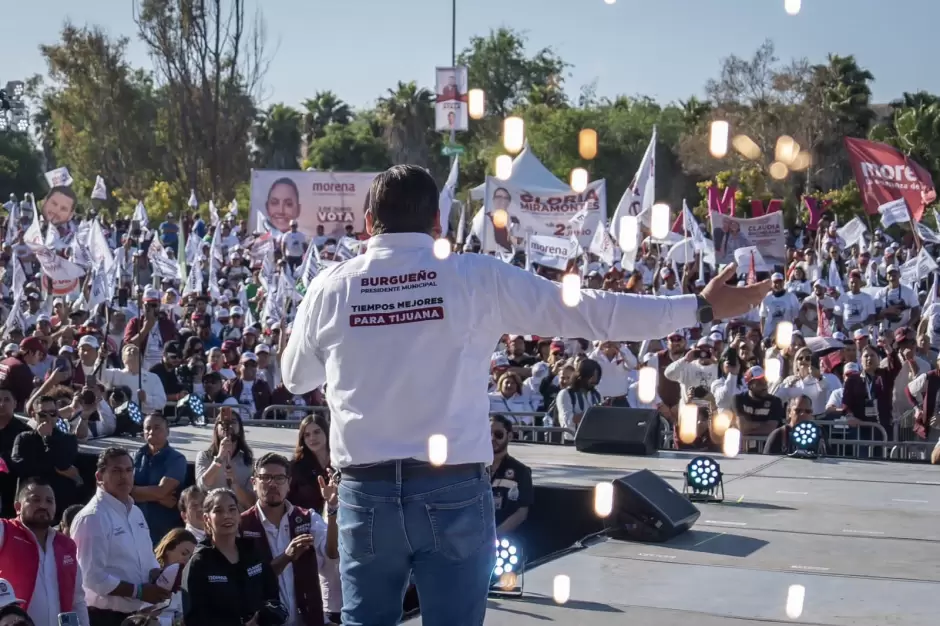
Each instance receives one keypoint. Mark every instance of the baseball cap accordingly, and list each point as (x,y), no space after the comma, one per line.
(819,282)
(776,276)
(228,344)
(851,368)
(237,311)
(42,317)
(7,595)
(263,349)
(88,340)
(221,313)
(859,333)
(665,272)
(10,348)
(891,268)
(704,342)
(293,222)
(755,373)
(838,336)
(151,295)
(902,334)
(500,361)
(33,344)
(58,301)
(248,356)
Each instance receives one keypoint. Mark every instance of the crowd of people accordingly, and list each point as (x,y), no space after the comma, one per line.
(254,540)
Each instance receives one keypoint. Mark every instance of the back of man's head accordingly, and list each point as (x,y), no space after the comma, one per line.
(403,199)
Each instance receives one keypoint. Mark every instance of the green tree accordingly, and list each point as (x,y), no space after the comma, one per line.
(407,116)
(323,109)
(20,166)
(97,113)
(498,64)
(354,147)
(277,138)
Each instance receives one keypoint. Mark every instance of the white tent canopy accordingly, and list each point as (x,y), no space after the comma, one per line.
(527,171)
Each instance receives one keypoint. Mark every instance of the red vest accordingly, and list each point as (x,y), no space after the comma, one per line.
(306,573)
(19,563)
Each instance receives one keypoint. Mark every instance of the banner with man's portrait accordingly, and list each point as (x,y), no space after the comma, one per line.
(322,203)
(766,233)
(450,106)
(543,212)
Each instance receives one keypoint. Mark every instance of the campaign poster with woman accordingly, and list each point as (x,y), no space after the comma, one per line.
(322,203)
(765,232)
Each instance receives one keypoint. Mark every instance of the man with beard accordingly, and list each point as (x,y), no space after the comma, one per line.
(511,480)
(759,413)
(40,563)
(300,538)
(669,390)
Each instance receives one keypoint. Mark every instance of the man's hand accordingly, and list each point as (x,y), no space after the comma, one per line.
(691,355)
(168,501)
(298,546)
(152,594)
(329,490)
(141,396)
(71,472)
(46,427)
(728,301)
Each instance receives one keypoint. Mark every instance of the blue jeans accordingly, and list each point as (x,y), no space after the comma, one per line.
(406,517)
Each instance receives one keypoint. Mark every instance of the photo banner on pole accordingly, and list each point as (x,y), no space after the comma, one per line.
(766,233)
(450,106)
(333,200)
(545,212)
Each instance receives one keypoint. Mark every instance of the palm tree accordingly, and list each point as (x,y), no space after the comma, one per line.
(694,111)
(323,109)
(277,138)
(407,115)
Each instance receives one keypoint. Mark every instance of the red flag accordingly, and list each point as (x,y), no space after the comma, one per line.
(884,174)
(823,328)
(752,271)
(678,226)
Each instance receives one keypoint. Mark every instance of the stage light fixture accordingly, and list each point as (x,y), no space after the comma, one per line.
(703,479)
(16,89)
(508,574)
(805,439)
(63,426)
(4,121)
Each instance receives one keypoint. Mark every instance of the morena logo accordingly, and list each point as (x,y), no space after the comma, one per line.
(334,187)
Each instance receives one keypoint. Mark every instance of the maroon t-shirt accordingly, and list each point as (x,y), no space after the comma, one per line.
(16,376)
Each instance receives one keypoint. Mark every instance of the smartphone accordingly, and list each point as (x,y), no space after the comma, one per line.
(135,228)
(62,363)
(91,380)
(68,619)
(122,297)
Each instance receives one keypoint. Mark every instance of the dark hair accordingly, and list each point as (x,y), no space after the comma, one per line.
(300,450)
(212,497)
(44,398)
(586,370)
(272,458)
(189,348)
(403,199)
(284,181)
(109,454)
(158,414)
(503,421)
(189,494)
(240,443)
(68,515)
(35,481)
(172,347)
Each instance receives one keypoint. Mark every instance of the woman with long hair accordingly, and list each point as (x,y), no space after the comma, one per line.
(579,395)
(242,582)
(310,462)
(509,399)
(806,380)
(228,460)
(175,548)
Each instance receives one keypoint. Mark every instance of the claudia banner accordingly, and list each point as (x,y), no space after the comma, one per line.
(544,212)
(333,200)
(765,232)
(884,174)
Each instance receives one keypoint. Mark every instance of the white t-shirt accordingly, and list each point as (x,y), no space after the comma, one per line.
(154,353)
(247,398)
(775,309)
(855,308)
(811,303)
(904,296)
(294,242)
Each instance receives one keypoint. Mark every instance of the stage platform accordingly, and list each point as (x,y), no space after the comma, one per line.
(861,536)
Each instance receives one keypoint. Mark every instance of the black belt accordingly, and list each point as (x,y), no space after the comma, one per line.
(410,468)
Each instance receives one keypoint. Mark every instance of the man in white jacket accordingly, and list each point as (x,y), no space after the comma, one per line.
(696,372)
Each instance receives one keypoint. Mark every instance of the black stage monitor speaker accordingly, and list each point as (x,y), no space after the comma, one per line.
(618,430)
(647,508)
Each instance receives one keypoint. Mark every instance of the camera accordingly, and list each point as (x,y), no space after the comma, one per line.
(273,613)
(699,392)
(88,397)
(187,377)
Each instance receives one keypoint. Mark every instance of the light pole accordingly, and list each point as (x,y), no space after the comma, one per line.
(453,33)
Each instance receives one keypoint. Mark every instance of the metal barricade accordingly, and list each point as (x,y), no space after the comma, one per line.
(837,444)
(537,431)
(269,415)
(668,436)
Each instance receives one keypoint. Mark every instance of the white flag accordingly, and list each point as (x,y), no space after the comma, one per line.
(233,209)
(98,247)
(346,249)
(163,265)
(310,266)
(59,177)
(214,218)
(54,266)
(100,191)
(13,223)
(215,260)
(894,212)
(462,225)
(641,193)
(98,293)
(853,232)
(140,214)
(18,284)
(691,226)
(446,199)
(193,203)
(602,244)
(15,318)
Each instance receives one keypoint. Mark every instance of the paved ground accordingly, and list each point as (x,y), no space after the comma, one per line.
(862,537)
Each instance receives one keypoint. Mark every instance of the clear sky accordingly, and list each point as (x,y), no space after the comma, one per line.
(662,48)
